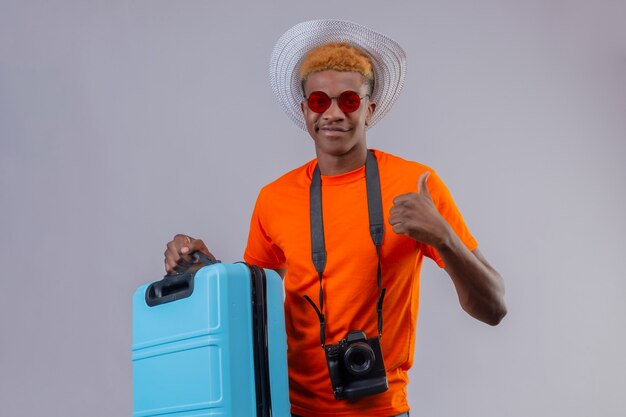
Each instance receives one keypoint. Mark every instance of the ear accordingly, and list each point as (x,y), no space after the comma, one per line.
(371,106)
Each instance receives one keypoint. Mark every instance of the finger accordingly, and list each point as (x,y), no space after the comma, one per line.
(393,219)
(396,215)
(196,245)
(403,198)
(173,252)
(182,238)
(170,256)
(181,241)
(399,228)
(422,188)
(174,262)
(398,200)
(184,246)
(168,267)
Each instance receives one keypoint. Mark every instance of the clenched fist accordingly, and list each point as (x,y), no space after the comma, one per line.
(178,255)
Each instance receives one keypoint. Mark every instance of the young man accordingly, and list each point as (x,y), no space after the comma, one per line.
(344,268)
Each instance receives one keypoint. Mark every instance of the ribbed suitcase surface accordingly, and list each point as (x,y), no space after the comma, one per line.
(195,356)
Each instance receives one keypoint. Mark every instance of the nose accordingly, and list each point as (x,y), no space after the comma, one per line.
(333,112)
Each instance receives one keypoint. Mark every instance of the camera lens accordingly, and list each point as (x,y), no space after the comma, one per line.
(359,358)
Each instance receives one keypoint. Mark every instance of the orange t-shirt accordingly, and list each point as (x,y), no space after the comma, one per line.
(280,237)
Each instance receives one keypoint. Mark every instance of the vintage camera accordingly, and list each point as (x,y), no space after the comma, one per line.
(356,367)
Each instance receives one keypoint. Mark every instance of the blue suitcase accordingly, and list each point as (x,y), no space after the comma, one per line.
(211,343)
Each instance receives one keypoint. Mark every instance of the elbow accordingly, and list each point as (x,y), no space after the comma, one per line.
(496,317)
(491,315)
(497,313)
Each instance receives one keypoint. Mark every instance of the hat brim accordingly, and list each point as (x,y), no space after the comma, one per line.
(388,60)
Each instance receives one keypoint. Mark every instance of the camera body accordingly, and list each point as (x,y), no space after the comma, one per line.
(356,366)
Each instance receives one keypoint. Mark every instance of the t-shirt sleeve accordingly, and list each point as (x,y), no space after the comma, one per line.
(261,250)
(447,208)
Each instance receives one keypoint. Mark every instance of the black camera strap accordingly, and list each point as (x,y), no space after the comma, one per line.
(318,246)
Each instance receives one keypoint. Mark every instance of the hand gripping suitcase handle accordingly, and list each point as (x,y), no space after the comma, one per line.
(178,286)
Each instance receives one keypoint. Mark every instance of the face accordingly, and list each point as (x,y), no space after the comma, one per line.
(335,132)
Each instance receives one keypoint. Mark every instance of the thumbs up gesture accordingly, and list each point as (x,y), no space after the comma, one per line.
(415,215)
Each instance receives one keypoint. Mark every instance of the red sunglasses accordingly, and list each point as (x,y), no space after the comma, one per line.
(348,101)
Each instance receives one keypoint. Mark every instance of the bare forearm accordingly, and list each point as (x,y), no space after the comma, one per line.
(480,287)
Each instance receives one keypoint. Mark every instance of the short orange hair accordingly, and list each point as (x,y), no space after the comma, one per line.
(338,56)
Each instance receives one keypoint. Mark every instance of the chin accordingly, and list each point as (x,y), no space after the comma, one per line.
(336,146)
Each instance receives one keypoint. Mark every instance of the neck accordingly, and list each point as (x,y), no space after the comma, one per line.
(340,164)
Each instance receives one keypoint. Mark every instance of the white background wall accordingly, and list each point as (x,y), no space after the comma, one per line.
(125,122)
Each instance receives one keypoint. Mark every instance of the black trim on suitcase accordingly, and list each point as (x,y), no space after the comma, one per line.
(260,332)
(170,288)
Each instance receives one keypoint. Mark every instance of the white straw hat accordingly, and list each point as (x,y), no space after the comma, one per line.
(388,60)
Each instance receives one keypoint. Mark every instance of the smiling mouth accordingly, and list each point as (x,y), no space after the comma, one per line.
(332,129)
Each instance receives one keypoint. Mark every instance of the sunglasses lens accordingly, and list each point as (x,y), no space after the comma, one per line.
(318,101)
(349,101)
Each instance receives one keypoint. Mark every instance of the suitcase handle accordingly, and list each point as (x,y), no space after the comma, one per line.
(201,258)
(177,286)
